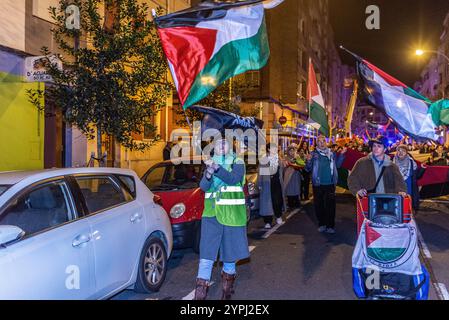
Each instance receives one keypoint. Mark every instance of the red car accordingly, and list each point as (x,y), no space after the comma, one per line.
(180,195)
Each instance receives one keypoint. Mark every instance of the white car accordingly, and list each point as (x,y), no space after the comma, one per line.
(80,233)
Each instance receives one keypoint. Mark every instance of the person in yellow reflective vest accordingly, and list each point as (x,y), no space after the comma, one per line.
(223,224)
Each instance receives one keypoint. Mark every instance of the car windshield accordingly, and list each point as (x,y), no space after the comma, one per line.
(173,177)
(3,188)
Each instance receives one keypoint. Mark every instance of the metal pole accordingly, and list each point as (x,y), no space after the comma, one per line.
(230,89)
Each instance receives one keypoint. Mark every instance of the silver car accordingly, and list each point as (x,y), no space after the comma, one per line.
(84,233)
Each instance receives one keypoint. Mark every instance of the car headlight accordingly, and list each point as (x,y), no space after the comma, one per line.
(177,210)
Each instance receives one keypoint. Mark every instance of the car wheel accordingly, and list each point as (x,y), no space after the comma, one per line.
(152,266)
(197,239)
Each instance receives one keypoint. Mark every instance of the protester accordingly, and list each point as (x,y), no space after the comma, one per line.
(439,157)
(305,183)
(376,173)
(167,150)
(323,165)
(270,185)
(292,178)
(410,172)
(223,223)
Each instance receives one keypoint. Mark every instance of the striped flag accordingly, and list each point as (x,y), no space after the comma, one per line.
(407,109)
(392,248)
(207,44)
(317,113)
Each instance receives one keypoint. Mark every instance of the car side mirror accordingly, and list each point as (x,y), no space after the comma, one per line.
(9,234)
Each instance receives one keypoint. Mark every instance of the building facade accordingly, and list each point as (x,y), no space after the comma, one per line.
(298,30)
(26,28)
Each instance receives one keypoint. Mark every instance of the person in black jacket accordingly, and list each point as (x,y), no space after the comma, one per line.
(167,151)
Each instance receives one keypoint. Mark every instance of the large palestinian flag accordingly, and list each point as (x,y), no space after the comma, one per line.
(407,109)
(317,112)
(207,44)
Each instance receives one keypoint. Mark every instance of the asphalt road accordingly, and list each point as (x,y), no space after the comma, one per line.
(295,262)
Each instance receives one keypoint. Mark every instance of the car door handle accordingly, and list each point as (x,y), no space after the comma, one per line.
(135,217)
(80,240)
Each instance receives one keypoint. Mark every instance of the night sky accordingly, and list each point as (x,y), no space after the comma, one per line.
(405,25)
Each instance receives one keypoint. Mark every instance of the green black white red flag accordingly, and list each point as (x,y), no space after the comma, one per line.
(317,113)
(207,44)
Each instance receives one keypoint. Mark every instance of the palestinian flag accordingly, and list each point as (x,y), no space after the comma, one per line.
(386,245)
(392,248)
(408,110)
(317,112)
(207,44)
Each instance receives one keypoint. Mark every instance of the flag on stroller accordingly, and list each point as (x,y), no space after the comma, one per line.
(391,253)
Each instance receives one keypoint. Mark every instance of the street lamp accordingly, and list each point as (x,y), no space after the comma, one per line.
(421,52)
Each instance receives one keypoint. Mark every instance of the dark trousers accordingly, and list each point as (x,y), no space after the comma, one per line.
(277,214)
(324,202)
(293,202)
(305,184)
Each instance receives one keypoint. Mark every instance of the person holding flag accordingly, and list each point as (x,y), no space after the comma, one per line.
(206,45)
(223,224)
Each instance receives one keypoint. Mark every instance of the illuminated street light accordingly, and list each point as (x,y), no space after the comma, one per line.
(420,52)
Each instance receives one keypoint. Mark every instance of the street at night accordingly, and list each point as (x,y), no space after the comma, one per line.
(297,263)
(260,153)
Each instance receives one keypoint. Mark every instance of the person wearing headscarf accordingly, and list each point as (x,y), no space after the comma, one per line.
(410,171)
(292,178)
(270,182)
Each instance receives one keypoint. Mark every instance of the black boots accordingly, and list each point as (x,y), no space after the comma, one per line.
(201,289)
(228,285)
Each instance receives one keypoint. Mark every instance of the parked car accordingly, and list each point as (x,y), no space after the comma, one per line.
(181,196)
(80,233)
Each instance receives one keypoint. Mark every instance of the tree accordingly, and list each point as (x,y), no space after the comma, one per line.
(114,75)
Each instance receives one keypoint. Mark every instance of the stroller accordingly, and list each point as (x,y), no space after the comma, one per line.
(385,262)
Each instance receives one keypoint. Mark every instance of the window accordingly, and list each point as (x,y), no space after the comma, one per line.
(252,79)
(304,60)
(303,89)
(129,182)
(44,207)
(149,129)
(101,193)
(3,188)
(182,176)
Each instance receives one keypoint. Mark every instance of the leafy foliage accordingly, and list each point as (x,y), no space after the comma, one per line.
(114,81)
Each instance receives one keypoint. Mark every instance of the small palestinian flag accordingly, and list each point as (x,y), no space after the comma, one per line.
(207,44)
(387,245)
(317,112)
(392,248)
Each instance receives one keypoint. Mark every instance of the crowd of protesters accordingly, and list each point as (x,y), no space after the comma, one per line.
(438,154)
(383,168)
(302,165)
(291,180)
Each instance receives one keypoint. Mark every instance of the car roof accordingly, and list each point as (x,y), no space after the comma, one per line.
(13,177)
